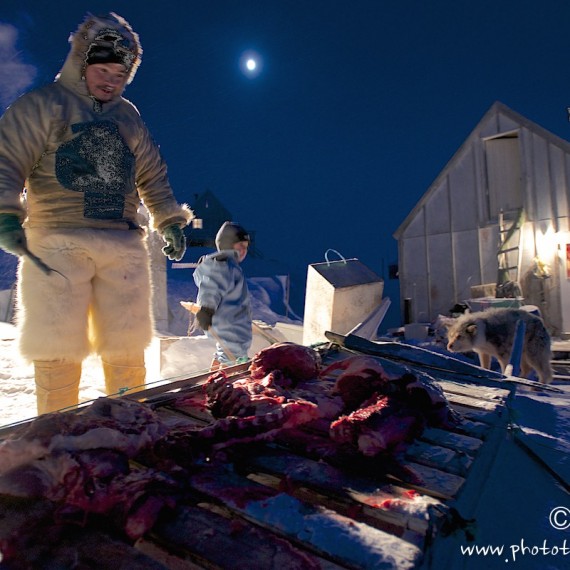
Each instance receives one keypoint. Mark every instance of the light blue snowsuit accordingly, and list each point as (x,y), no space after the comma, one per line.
(222,287)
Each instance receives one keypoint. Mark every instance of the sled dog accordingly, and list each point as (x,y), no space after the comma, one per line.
(492,333)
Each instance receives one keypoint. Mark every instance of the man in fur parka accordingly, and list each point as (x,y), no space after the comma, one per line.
(76,161)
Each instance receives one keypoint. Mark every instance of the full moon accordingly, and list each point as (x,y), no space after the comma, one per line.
(250,63)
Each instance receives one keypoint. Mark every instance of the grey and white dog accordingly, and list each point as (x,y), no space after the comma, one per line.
(492,333)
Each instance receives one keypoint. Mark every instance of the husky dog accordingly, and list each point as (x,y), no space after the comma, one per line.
(492,333)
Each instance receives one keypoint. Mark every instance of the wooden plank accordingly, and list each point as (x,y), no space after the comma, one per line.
(338,538)
(366,495)
(473,402)
(490,393)
(368,514)
(171,387)
(460,442)
(207,538)
(470,427)
(442,458)
(172,561)
(434,482)
(413,355)
(471,413)
(174,418)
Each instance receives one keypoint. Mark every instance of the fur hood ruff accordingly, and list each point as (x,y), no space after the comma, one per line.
(91,32)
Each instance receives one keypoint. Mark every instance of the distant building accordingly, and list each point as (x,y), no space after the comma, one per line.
(210,215)
(509,180)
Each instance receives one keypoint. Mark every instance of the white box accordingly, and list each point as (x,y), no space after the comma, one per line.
(339,296)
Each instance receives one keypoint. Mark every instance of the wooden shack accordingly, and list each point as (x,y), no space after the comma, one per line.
(497,211)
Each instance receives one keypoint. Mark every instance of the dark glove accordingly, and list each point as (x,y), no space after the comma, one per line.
(204,317)
(175,242)
(12,236)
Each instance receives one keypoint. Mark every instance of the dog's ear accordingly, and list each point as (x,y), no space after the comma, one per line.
(471,329)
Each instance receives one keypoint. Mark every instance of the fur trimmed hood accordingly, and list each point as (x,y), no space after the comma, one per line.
(110,33)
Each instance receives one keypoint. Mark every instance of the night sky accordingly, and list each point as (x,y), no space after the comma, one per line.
(358,105)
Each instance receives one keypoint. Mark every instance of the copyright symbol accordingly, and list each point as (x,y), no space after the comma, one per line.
(560,518)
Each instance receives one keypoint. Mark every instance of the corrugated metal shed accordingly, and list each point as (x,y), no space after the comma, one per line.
(449,241)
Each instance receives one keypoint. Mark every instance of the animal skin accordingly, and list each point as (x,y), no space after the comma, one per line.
(491,333)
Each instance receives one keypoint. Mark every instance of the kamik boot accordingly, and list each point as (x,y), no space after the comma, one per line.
(57,384)
(120,378)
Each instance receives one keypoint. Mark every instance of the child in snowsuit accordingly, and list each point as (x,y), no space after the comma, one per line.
(223,296)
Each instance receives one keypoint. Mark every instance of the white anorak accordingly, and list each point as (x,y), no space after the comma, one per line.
(82,163)
(85,167)
(222,287)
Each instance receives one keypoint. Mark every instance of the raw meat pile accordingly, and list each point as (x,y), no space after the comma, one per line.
(80,462)
(262,402)
(84,462)
(383,412)
(363,409)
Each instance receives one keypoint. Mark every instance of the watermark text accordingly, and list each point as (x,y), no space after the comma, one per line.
(517,551)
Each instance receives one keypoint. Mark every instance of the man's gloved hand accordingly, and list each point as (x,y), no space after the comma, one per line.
(175,242)
(12,236)
(204,317)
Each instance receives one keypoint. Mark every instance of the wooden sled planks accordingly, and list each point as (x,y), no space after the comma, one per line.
(255,492)
(340,539)
(454,462)
(211,536)
(320,482)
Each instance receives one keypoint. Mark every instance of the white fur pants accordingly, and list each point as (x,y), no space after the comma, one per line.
(101,303)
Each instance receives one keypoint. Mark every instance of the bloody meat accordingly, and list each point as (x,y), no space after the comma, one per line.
(296,362)
(381,425)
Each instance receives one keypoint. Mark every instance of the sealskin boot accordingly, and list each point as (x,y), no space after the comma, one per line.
(57,384)
(119,379)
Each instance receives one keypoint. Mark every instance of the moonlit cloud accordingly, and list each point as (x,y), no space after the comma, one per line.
(15,75)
